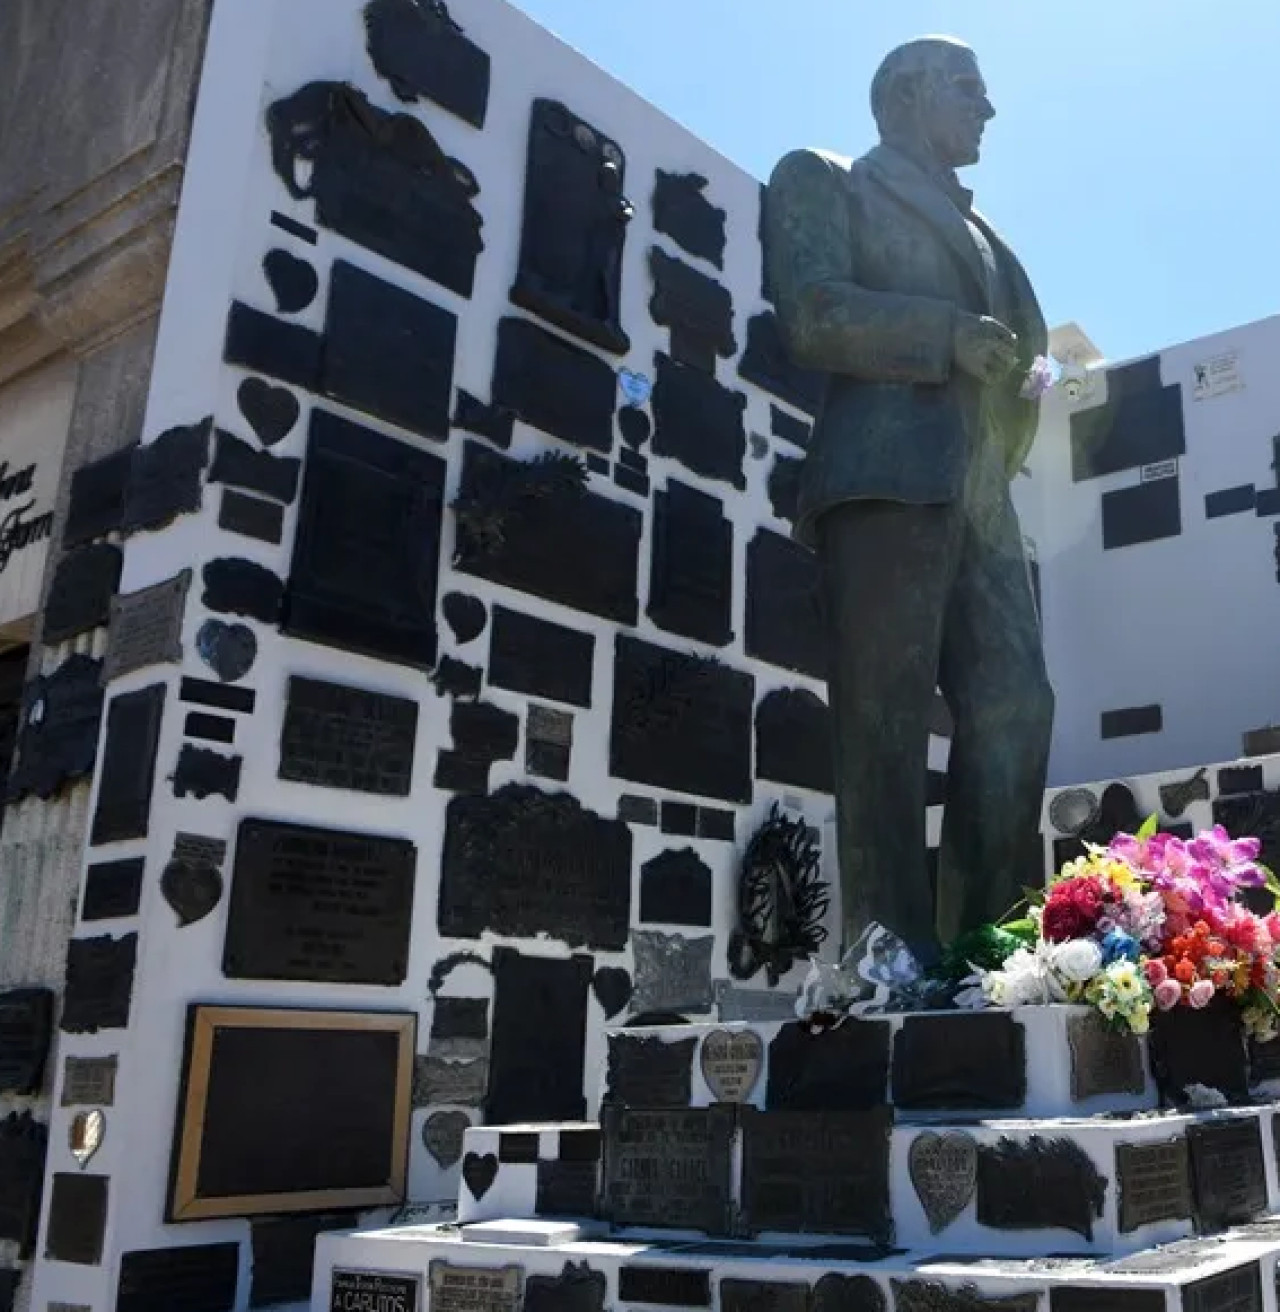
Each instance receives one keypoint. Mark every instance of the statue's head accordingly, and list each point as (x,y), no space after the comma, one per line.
(929,96)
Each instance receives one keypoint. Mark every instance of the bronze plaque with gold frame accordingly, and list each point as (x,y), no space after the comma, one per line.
(291,1111)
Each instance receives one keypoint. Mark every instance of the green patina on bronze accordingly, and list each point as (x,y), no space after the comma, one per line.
(920,316)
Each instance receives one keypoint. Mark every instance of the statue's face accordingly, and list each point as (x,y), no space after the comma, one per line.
(954,109)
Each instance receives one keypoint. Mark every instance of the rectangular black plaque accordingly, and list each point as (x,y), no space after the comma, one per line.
(1228,1178)
(267,345)
(112,889)
(670,1286)
(199,1278)
(764,1296)
(284,1253)
(540,658)
(9,1281)
(96,504)
(319,904)
(1206,1047)
(668,1168)
(525,862)
(263,1087)
(366,555)
(23,1141)
(210,728)
(238,464)
(294,228)
(99,983)
(164,477)
(204,692)
(341,737)
(520,1149)
(1154,1182)
(251,517)
(1237,1290)
(1140,423)
(1092,1298)
(681,722)
(370,1289)
(128,765)
(1229,501)
(949,1061)
(1145,513)
(81,591)
(539,1037)
(715,824)
(698,422)
(567,1188)
(26,1026)
(89,1082)
(580,1143)
(1234,779)
(1103,1060)
(691,580)
(680,818)
(646,1071)
(1129,721)
(821,1172)
(846,1069)
(784,618)
(77,1219)
(388,352)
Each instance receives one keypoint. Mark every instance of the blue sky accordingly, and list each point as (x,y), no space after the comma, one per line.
(1134,163)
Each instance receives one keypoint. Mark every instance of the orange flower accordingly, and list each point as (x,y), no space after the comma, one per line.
(1184,972)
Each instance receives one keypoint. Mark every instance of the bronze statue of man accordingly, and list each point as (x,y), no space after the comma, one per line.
(893,286)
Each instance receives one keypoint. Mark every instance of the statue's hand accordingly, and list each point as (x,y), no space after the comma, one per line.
(984,348)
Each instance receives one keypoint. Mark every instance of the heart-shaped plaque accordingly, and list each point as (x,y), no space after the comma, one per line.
(636,388)
(229,650)
(87,1132)
(612,987)
(293,281)
(479,1171)
(271,411)
(442,1134)
(944,1172)
(191,888)
(731,1063)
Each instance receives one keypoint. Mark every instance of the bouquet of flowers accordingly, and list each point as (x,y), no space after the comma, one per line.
(1149,922)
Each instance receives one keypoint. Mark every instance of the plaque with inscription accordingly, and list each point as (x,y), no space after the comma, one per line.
(668,1168)
(128,769)
(578,1288)
(340,737)
(943,1170)
(1039,1184)
(89,1081)
(196,1278)
(813,1171)
(443,1134)
(59,736)
(567,1188)
(962,1061)
(525,862)
(1228,1178)
(669,1286)
(845,1069)
(784,617)
(319,904)
(1103,1060)
(99,983)
(691,580)
(26,1025)
(473,1288)
(1237,1290)
(372,1289)
(764,1296)
(22,1152)
(646,1071)
(931,1296)
(1154,1182)
(81,591)
(731,1062)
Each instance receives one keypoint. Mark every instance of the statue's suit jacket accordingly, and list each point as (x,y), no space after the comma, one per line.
(870,261)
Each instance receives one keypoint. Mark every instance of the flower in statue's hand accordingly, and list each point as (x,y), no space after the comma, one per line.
(1039,379)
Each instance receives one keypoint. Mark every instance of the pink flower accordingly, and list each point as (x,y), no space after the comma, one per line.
(1169,993)
(1200,993)
(1156,972)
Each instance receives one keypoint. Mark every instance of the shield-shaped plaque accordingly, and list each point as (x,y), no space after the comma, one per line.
(731,1062)
(87,1132)
(944,1172)
(442,1134)
(192,888)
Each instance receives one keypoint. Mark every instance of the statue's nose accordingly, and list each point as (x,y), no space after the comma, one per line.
(986,110)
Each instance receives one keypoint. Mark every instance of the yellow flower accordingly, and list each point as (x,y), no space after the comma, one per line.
(1124,981)
(1122,876)
(1140,1019)
(1107,1006)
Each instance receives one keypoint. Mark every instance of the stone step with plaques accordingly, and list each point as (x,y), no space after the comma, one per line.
(470,1269)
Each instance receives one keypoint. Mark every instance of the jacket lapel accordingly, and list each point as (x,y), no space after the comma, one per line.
(911,185)
(1028,318)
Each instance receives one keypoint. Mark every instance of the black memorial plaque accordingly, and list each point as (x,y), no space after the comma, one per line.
(271,346)
(612,987)
(374,1289)
(554,385)
(457,1288)
(548,743)
(784,487)
(634,425)
(575,227)
(764,1296)
(99,983)
(1140,423)
(524,862)
(23,1141)
(146,627)
(682,211)
(26,1025)
(567,1188)
(960,1061)
(1153,1181)
(1103,1060)
(767,363)
(203,693)
(465,615)
(578,1288)
(270,411)
(59,736)
(9,1281)
(1094,1298)
(793,740)
(96,503)
(845,1069)
(929,1296)
(519,1149)
(1148,512)
(1264,1061)
(283,1255)
(164,478)
(238,464)
(698,422)
(844,1293)
(534,527)
(821,1172)
(89,1082)
(129,765)
(540,658)
(482,734)
(673,973)
(647,1071)
(784,616)
(788,427)
(1252,815)
(77,1219)
(691,579)
(539,1037)
(1236,1290)
(1228,1177)
(293,281)
(424,54)
(675,889)
(1234,779)
(668,1286)
(443,1135)
(251,517)
(670,1168)
(455,678)
(366,555)
(229,650)
(479,1171)
(944,1173)
(112,889)
(496,422)
(242,587)
(191,882)
(388,352)
(195,1278)
(319,904)
(211,728)
(681,722)
(202,773)
(341,737)
(697,309)
(1039,1184)
(1206,1047)
(80,595)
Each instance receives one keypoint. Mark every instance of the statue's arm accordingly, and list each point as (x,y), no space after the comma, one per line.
(829,322)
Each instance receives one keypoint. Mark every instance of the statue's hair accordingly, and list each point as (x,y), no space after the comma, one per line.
(909,63)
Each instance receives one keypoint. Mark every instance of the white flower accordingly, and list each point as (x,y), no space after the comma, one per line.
(1077,960)
(1025,980)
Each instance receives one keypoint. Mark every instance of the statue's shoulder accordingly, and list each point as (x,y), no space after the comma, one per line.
(809,167)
